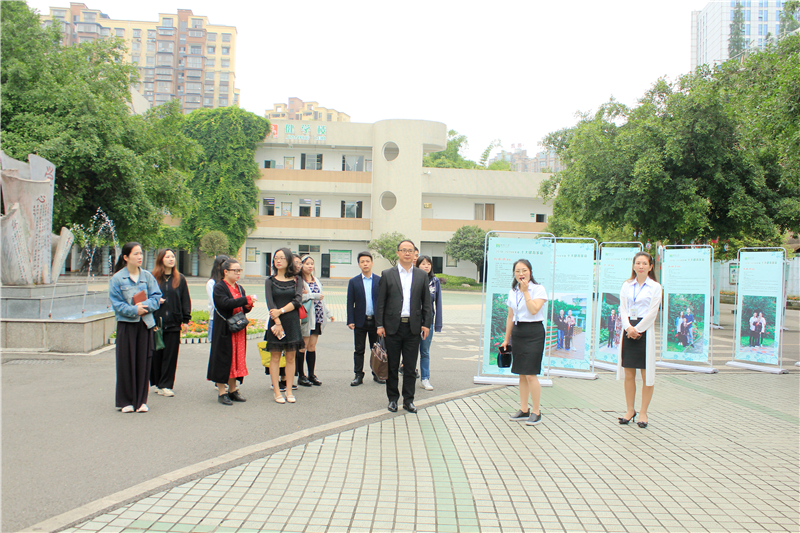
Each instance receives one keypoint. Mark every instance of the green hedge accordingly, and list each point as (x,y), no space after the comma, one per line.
(456,281)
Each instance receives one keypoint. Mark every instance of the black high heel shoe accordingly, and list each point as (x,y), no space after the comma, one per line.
(624,421)
(640,424)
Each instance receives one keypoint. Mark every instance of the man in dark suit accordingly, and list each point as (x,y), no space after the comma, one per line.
(404,311)
(362,301)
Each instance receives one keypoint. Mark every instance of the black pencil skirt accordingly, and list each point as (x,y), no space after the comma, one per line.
(527,347)
(634,352)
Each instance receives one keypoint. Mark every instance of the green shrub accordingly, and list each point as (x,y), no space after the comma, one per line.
(199,316)
(456,281)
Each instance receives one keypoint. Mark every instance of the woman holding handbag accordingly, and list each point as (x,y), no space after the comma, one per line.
(227,364)
(134,294)
(174,311)
(283,291)
(316,313)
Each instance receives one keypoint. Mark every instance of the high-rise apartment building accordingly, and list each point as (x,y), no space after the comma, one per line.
(711,28)
(300,110)
(546,161)
(180,55)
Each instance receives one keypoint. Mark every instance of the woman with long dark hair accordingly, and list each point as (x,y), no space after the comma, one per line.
(434,287)
(216,276)
(227,364)
(312,329)
(134,343)
(174,311)
(525,333)
(284,290)
(639,299)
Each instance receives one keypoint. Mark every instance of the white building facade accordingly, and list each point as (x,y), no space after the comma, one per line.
(328,189)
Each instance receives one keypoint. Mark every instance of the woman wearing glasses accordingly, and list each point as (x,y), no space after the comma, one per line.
(227,363)
(284,290)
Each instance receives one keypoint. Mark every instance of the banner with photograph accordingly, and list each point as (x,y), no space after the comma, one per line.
(501,253)
(686,314)
(759,307)
(572,306)
(616,265)
(717,280)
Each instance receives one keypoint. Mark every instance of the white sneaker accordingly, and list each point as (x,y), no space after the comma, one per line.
(426,384)
(166,392)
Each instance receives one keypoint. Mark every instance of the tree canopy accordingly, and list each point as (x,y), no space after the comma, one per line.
(223,190)
(468,244)
(451,156)
(70,106)
(715,154)
(386,246)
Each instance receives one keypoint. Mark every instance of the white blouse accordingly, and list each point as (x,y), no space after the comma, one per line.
(639,296)
(516,302)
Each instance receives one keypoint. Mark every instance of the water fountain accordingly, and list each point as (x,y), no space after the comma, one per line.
(37,313)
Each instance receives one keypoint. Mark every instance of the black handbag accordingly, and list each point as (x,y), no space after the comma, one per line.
(237,322)
(504,357)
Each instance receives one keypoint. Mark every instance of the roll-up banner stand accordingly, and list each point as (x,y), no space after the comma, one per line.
(759,310)
(616,265)
(573,308)
(686,275)
(716,280)
(501,250)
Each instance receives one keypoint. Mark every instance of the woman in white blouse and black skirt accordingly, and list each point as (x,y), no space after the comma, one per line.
(640,299)
(525,331)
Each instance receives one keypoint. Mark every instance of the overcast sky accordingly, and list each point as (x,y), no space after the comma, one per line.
(508,70)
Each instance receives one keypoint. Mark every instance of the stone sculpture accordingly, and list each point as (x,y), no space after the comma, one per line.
(27,238)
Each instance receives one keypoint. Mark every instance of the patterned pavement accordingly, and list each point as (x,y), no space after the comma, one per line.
(720,454)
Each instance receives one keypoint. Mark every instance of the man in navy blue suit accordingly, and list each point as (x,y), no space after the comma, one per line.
(362,300)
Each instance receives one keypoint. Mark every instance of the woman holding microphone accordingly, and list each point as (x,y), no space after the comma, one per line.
(525,333)
(639,299)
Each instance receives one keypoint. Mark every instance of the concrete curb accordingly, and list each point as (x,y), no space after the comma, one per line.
(228,460)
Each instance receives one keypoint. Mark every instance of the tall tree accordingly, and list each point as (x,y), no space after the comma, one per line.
(790,17)
(70,106)
(451,156)
(386,246)
(468,244)
(737,43)
(223,188)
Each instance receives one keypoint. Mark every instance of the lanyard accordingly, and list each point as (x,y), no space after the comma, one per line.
(640,290)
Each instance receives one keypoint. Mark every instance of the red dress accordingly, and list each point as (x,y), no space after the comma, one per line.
(238,340)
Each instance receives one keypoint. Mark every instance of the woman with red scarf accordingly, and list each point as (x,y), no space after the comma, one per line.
(227,363)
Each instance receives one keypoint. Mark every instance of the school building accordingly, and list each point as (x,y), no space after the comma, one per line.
(328,189)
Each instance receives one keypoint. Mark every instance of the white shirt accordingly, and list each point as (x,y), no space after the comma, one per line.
(210,292)
(516,302)
(753,320)
(639,296)
(406,276)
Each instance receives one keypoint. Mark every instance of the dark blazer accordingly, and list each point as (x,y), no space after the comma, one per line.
(357,299)
(390,301)
(221,356)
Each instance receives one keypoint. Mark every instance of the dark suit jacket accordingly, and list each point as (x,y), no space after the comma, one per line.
(390,301)
(357,299)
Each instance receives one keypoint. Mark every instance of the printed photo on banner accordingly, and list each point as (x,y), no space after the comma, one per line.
(685,324)
(758,328)
(610,334)
(498,327)
(569,325)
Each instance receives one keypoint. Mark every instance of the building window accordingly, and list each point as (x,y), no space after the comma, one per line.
(224,76)
(226,63)
(269,163)
(195,50)
(151,34)
(166,46)
(210,76)
(212,37)
(136,46)
(484,211)
(119,32)
(166,22)
(286,209)
(197,23)
(353,163)
(223,102)
(541,218)
(226,37)
(308,248)
(318,205)
(89,17)
(452,262)
(104,32)
(193,87)
(352,209)
(211,49)
(164,86)
(209,89)
(269,206)
(137,33)
(311,161)
(223,89)
(194,62)
(288,163)
(151,61)
(151,47)
(135,60)
(305,207)
(166,31)
(226,50)
(195,33)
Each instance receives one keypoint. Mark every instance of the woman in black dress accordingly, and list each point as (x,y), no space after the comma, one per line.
(284,291)
(525,333)
(175,310)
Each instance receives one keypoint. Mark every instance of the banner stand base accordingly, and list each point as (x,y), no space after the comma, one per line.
(602,365)
(770,369)
(503,380)
(716,326)
(797,363)
(572,374)
(690,368)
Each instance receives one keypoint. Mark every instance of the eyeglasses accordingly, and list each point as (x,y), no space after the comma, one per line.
(236,270)
(406,251)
